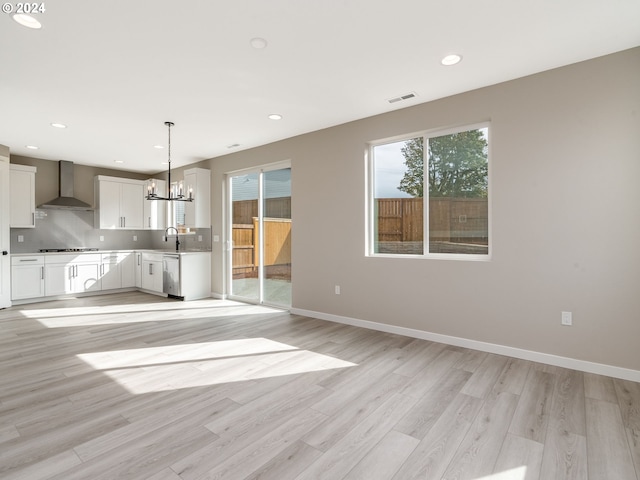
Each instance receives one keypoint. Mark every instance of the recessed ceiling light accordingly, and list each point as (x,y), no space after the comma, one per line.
(451,59)
(27,20)
(118,161)
(164,163)
(158,146)
(258,43)
(32,147)
(58,125)
(275,116)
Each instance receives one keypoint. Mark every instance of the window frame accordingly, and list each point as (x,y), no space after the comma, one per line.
(371,220)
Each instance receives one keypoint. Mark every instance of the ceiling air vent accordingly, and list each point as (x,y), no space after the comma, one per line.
(406,96)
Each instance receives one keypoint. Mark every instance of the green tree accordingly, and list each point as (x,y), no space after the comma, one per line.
(457,165)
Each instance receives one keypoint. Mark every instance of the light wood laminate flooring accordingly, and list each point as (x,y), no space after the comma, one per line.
(134,386)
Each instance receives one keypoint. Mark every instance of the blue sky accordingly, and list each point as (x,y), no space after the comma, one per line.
(389,170)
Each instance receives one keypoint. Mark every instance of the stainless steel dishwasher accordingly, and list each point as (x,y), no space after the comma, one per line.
(171,275)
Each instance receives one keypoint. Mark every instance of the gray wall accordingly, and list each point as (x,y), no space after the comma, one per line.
(47,178)
(565,164)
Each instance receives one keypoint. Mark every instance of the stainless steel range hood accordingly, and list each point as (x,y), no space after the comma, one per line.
(66,200)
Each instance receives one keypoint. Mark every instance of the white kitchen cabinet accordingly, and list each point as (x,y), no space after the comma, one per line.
(197,214)
(195,275)
(138,269)
(22,201)
(152,272)
(127,262)
(155,211)
(27,276)
(64,274)
(110,271)
(119,203)
(117,270)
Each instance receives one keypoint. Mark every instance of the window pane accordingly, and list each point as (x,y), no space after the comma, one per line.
(244,198)
(277,237)
(398,191)
(458,193)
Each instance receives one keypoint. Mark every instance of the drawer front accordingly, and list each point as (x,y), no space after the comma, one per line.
(27,260)
(74,258)
(111,257)
(152,257)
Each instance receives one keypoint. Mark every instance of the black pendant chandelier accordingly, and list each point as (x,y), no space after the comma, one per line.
(173,194)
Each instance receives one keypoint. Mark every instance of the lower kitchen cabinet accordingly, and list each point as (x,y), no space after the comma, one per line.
(36,277)
(66,274)
(117,270)
(127,269)
(27,277)
(195,275)
(138,269)
(152,272)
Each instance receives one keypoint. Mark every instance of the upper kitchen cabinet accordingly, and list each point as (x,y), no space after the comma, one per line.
(22,203)
(155,211)
(119,203)
(197,213)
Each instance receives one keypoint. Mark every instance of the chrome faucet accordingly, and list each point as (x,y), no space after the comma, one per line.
(166,236)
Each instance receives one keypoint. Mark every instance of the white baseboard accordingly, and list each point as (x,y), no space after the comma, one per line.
(218,296)
(565,362)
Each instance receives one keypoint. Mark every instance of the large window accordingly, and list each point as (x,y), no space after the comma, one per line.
(434,187)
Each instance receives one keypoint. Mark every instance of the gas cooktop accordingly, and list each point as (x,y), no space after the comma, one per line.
(47,250)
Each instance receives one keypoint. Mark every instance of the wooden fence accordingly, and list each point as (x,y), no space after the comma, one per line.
(451,220)
(277,245)
(244,211)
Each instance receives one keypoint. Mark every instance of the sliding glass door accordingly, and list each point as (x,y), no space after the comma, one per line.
(260,231)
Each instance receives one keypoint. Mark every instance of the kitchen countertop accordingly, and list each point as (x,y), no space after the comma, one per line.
(111,251)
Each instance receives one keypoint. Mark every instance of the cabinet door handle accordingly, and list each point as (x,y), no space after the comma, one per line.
(149,222)
(27,259)
(138,257)
(33,219)
(41,273)
(151,269)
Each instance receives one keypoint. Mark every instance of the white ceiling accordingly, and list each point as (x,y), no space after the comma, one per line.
(115,70)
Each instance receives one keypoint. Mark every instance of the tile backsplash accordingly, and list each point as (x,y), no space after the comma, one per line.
(74,229)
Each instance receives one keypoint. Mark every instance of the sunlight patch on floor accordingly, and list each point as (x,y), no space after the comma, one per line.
(519,473)
(155,369)
(65,317)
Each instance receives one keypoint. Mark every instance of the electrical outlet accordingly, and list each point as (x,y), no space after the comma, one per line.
(337,289)
(102,238)
(135,238)
(199,238)
(20,238)
(216,238)
(566,319)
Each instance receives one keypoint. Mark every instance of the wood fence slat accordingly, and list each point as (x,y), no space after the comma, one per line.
(277,240)
(459,220)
